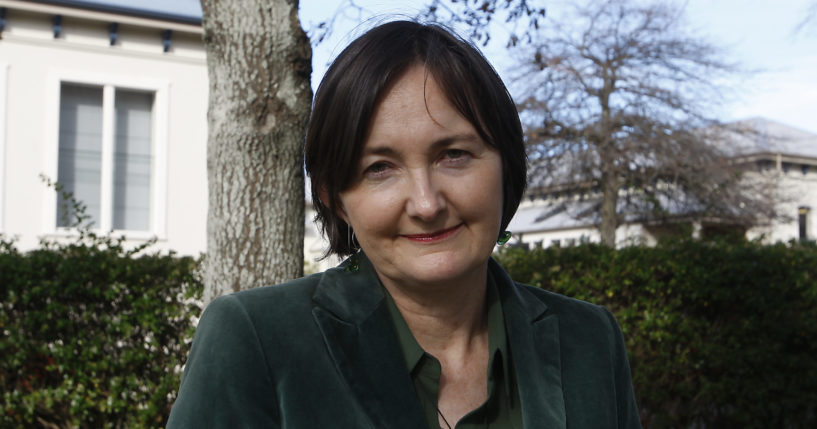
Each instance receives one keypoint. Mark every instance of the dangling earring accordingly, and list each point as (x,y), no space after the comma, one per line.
(503,238)
(354,263)
(350,238)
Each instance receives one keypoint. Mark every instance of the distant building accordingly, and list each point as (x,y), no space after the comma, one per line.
(108,97)
(111,102)
(786,155)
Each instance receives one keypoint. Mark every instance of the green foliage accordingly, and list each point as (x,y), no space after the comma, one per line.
(720,334)
(94,334)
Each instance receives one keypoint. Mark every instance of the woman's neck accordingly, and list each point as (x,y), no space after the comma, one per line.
(448,320)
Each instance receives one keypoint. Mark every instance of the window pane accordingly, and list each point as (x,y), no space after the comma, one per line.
(79,167)
(802,222)
(132,160)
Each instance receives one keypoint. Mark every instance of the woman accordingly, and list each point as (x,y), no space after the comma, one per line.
(417,163)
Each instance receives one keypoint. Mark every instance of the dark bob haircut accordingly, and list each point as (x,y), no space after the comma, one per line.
(348,96)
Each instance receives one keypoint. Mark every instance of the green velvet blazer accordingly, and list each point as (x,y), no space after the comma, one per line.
(322,352)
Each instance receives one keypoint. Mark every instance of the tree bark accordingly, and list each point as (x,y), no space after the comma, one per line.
(259,66)
(609,217)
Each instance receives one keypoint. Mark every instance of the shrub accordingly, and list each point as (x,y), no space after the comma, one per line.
(720,334)
(92,334)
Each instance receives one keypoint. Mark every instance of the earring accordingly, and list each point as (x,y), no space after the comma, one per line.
(503,238)
(354,263)
(350,238)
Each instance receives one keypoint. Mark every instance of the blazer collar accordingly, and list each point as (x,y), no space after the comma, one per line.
(351,295)
(351,310)
(533,336)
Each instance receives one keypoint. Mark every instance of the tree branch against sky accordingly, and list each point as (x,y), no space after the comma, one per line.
(476,20)
(809,21)
(617,96)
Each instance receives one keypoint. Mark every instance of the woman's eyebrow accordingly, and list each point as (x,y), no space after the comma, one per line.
(436,145)
(447,140)
(378,150)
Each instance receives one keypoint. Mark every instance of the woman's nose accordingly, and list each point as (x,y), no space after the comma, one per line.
(425,200)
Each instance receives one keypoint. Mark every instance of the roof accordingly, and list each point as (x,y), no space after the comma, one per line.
(766,136)
(548,217)
(184,11)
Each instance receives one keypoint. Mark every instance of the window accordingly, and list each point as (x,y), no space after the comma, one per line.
(786,167)
(106,155)
(802,222)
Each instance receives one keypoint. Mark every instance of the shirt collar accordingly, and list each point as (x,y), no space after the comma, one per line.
(497,339)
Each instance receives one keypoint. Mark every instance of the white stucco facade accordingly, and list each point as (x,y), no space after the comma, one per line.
(798,197)
(34,64)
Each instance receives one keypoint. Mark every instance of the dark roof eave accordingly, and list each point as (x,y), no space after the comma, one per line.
(80,4)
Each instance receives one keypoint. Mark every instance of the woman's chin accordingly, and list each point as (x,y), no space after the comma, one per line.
(443,268)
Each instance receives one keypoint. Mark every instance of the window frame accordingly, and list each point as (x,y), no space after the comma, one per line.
(159,117)
(803,218)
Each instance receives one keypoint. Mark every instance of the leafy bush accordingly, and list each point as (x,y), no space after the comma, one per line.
(720,334)
(92,334)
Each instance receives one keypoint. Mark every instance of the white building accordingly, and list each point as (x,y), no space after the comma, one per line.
(112,102)
(786,155)
(108,97)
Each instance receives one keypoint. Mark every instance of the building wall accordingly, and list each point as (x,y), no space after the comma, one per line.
(628,234)
(35,63)
(797,187)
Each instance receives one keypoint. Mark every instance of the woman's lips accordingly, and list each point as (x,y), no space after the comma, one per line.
(434,236)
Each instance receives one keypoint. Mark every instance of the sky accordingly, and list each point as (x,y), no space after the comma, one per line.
(759,34)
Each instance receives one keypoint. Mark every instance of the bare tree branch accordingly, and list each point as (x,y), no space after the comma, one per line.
(809,19)
(619,101)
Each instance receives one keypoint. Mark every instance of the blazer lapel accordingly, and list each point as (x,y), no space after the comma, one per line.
(358,331)
(533,336)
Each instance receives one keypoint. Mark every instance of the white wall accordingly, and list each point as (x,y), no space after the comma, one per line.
(36,64)
(626,234)
(796,189)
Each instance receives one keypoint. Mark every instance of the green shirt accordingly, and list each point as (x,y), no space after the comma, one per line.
(502,408)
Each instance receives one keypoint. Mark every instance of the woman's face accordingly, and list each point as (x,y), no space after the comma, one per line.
(426,202)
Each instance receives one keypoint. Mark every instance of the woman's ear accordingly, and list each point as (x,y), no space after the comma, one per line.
(340,211)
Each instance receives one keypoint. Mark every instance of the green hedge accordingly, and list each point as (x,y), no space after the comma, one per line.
(720,334)
(92,335)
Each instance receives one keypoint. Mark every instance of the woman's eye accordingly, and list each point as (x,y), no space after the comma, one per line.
(376,169)
(455,155)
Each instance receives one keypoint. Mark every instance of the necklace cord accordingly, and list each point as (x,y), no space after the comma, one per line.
(443,417)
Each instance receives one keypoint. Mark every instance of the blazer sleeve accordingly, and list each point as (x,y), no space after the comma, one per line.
(226,381)
(627,410)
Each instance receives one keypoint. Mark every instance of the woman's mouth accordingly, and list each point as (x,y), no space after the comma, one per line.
(434,236)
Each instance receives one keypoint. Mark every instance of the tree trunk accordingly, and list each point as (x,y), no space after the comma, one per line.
(609,201)
(259,66)
(609,178)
